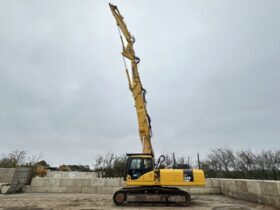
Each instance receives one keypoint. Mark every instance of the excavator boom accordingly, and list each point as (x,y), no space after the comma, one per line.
(135,85)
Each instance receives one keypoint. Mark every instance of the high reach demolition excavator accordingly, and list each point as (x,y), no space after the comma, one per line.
(145,179)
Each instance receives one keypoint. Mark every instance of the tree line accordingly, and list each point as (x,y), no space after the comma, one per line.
(19,158)
(243,164)
(219,163)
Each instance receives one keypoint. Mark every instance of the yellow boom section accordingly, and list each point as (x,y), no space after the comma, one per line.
(138,92)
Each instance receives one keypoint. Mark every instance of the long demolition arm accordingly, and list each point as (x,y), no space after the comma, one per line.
(138,92)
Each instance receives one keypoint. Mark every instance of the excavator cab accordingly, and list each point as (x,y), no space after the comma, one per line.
(138,164)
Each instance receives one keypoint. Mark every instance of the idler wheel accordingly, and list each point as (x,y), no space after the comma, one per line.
(119,198)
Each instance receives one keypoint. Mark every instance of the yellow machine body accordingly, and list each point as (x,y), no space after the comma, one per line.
(140,175)
(168,177)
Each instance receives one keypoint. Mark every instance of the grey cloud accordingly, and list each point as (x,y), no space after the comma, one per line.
(211,70)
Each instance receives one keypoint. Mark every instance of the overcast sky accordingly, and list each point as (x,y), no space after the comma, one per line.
(211,69)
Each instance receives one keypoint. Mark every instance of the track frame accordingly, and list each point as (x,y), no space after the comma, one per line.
(164,195)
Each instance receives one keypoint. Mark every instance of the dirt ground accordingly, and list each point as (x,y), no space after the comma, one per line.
(47,201)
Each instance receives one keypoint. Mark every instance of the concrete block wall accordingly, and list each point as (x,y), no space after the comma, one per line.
(74,185)
(261,191)
(212,187)
(101,185)
(266,192)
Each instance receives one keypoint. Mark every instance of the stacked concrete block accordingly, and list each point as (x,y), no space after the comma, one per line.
(67,182)
(114,182)
(105,186)
(89,190)
(270,192)
(267,192)
(38,182)
(101,185)
(6,175)
(227,186)
(13,179)
(74,185)
(269,188)
(212,186)
(253,187)
(4,188)
(97,182)
(54,182)
(215,182)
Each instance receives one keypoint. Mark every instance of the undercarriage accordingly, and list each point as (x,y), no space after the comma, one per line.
(152,194)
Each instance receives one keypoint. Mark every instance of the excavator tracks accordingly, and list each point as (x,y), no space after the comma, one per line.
(152,194)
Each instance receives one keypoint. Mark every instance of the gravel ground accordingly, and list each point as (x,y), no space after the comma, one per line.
(40,201)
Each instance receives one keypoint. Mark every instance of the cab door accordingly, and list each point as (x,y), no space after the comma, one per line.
(140,172)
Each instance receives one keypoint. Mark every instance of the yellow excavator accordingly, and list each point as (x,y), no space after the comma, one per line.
(147,179)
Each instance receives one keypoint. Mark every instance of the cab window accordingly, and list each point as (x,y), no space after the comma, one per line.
(139,166)
(135,164)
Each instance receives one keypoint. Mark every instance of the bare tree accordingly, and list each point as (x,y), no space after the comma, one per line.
(18,158)
(224,162)
(13,159)
(222,159)
(110,165)
(32,160)
(245,160)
